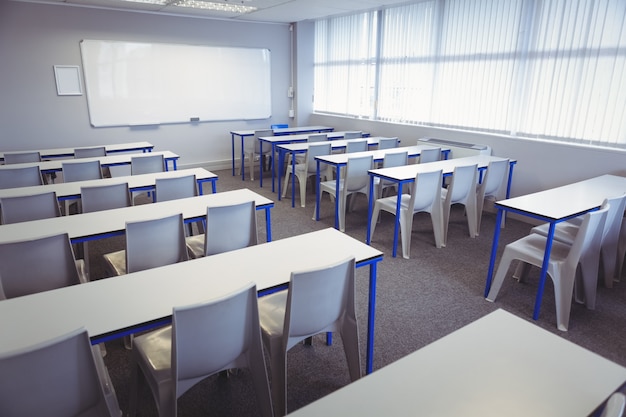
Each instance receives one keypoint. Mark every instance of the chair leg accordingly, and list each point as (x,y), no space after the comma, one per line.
(350,338)
(256,363)
(498,279)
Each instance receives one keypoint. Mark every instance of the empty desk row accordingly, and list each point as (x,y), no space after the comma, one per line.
(81,152)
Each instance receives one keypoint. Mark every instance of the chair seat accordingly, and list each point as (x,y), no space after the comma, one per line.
(272,315)
(195,246)
(116,262)
(155,348)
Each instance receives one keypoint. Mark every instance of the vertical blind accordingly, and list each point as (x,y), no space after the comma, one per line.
(550,69)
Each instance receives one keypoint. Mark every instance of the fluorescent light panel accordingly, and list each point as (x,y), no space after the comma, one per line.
(200,4)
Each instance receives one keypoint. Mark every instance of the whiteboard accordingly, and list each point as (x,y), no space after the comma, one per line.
(133,83)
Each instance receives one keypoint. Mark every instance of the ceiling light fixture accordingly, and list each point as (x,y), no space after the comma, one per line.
(201,4)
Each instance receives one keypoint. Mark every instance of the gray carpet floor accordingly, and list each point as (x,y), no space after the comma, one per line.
(419,300)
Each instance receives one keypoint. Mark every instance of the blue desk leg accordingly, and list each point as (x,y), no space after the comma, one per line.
(268,224)
(544,270)
(281,162)
(396,227)
(494,251)
(232,151)
(293,179)
(371,311)
(370,207)
(317,191)
(243,166)
(337,197)
(213,186)
(260,163)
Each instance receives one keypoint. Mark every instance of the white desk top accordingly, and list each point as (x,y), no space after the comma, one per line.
(72,189)
(286,131)
(568,200)
(69,152)
(303,138)
(112,304)
(378,154)
(117,159)
(408,172)
(99,223)
(499,365)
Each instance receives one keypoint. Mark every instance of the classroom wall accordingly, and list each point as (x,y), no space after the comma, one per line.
(35,37)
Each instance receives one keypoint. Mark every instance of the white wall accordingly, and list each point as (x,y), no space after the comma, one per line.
(34,37)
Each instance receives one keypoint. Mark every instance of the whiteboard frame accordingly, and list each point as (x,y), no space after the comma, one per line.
(67,78)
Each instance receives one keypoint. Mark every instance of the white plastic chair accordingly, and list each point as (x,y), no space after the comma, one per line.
(429,155)
(80,171)
(175,188)
(29,207)
(204,339)
(425,196)
(391,159)
(387,143)
(149,244)
(228,228)
(621,251)
(21,157)
(90,152)
(102,197)
(492,187)
(319,300)
(462,190)
(562,264)
(63,376)
(316,137)
(590,260)
(353,134)
(147,164)
(356,180)
(253,150)
(20,177)
(615,405)
(35,265)
(306,169)
(356,146)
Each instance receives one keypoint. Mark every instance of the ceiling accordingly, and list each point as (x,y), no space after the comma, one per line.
(276,11)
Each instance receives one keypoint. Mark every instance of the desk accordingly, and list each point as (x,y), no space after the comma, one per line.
(340,160)
(554,206)
(143,182)
(274,141)
(499,365)
(277,132)
(105,161)
(406,174)
(69,152)
(112,307)
(101,224)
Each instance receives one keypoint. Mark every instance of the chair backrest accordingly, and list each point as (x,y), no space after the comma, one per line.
(395,159)
(357,176)
(426,190)
(613,223)
(259,134)
(356,146)
(21,157)
(155,242)
(430,155)
(175,188)
(230,227)
(494,178)
(147,164)
(463,184)
(317,149)
(105,197)
(213,336)
(29,207)
(615,405)
(318,137)
(386,143)
(20,177)
(588,237)
(81,171)
(90,152)
(36,265)
(353,134)
(58,377)
(318,298)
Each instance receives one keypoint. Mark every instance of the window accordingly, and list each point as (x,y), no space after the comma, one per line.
(551,69)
